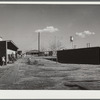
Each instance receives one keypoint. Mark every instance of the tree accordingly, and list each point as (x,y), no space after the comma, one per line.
(56,45)
(43,49)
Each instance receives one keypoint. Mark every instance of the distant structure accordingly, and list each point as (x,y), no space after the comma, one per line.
(8,49)
(71,40)
(19,54)
(32,52)
(39,42)
(35,53)
(48,53)
(42,53)
(89,55)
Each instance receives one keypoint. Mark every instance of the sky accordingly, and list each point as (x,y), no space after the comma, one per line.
(56,23)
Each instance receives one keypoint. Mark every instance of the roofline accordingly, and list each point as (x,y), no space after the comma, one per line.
(80,48)
(11,42)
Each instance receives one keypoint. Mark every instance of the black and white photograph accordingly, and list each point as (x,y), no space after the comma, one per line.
(49,47)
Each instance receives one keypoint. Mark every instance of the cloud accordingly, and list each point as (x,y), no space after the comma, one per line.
(80,34)
(50,29)
(84,34)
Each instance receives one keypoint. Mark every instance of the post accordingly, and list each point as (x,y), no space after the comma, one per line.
(6,55)
(38,43)
(88,45)
(56,49)
(72,45)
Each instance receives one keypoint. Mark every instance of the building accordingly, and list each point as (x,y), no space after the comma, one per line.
(32,52)
(19,52)
(48,53)
(79,56)
(8,49)
(35,53)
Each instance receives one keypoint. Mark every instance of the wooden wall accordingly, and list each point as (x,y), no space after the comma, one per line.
(80,56)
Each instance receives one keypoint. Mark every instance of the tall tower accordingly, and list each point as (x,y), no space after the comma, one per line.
(71,40)
(38,41)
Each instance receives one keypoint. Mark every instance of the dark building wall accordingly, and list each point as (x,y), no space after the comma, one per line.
(3,49)
(80,56)
(11,46)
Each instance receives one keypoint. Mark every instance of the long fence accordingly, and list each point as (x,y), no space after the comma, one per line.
(80,56)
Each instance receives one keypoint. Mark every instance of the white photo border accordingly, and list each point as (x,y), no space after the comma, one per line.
(50,94)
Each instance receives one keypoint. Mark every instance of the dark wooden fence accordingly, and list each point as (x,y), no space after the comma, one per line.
(80,56)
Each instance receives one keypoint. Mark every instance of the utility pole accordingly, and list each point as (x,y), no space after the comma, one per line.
(56,49)
(38,43)
(74,46)
(88,45)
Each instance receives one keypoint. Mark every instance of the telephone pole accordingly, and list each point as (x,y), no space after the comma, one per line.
(88,45)
(38,42)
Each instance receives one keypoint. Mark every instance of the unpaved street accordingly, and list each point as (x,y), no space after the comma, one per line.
(10,74)
(42,74)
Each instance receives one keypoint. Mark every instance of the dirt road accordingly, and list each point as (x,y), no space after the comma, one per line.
(10,75)
(42,74)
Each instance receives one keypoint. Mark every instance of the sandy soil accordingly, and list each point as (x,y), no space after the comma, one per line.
(42,74)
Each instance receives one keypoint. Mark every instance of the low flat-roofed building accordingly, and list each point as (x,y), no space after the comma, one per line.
(8,48)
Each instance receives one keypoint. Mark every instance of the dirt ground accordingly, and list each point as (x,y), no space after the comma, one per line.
(41,74)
